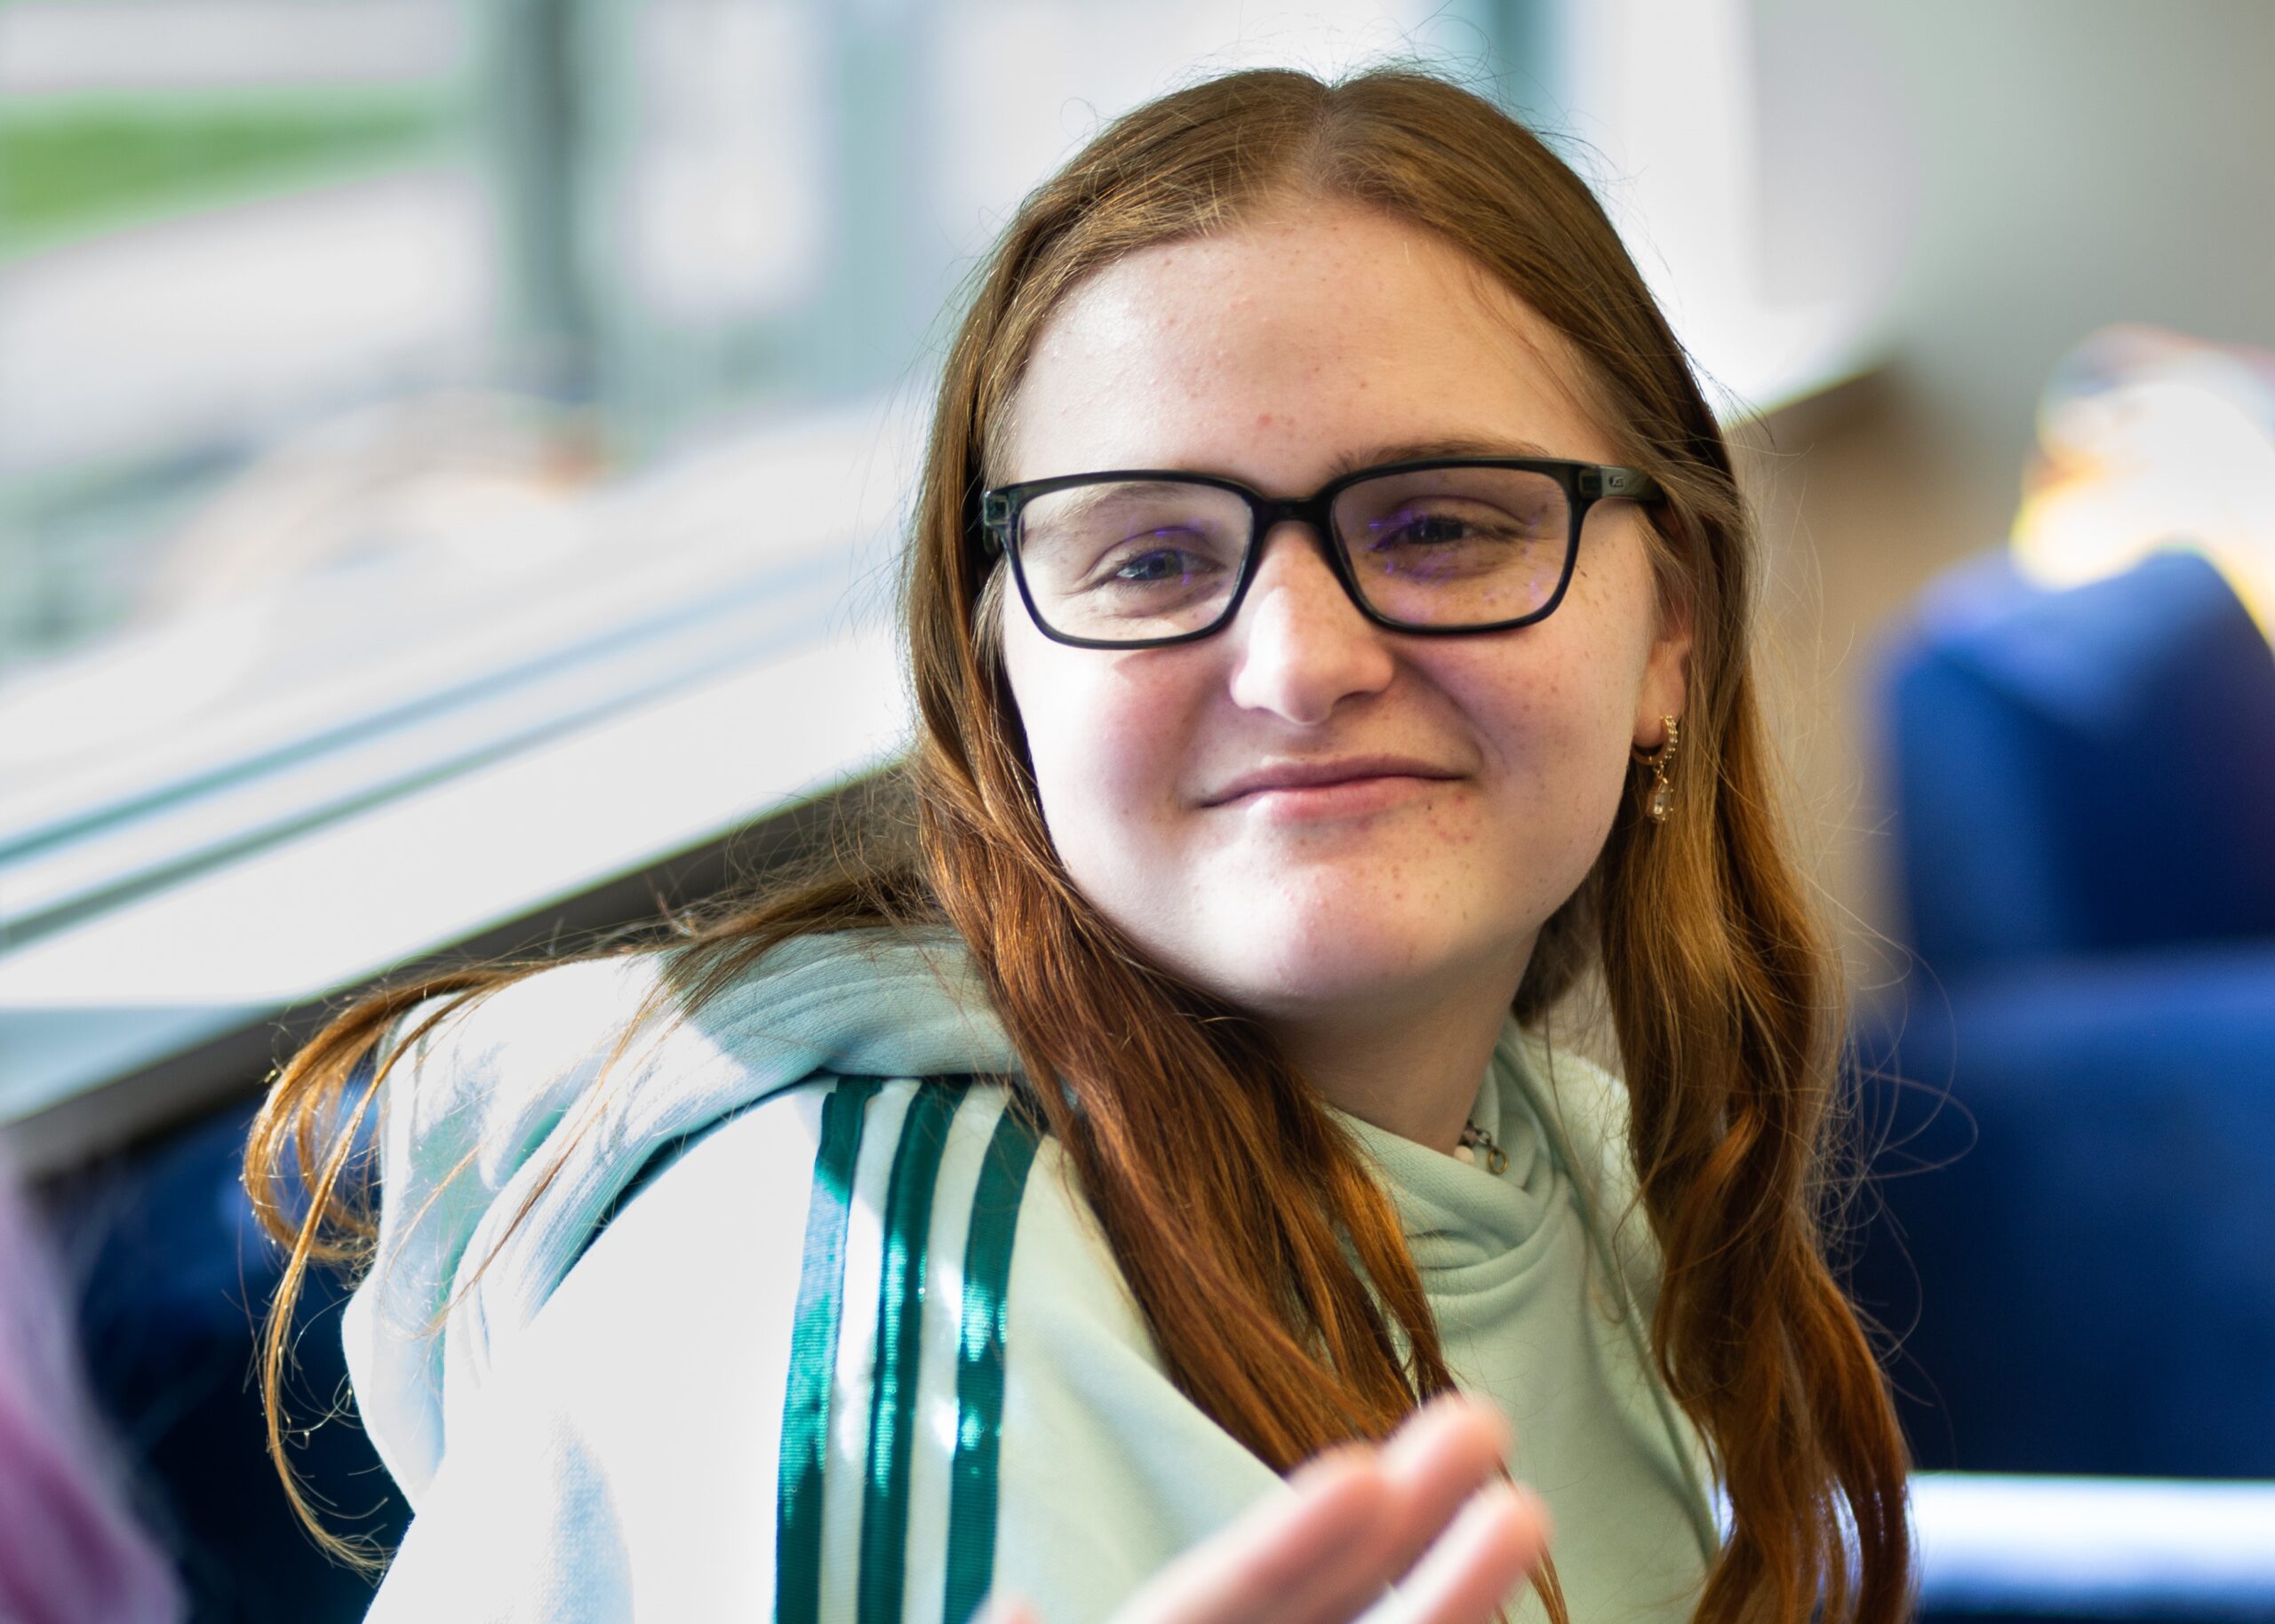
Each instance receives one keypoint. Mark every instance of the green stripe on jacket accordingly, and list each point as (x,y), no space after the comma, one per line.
(979,1363)
(813,1357)
(898,1359)
(900,1327)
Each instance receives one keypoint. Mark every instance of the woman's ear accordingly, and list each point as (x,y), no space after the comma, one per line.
(1666,674)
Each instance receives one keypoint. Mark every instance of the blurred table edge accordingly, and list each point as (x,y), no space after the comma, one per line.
(130,1022)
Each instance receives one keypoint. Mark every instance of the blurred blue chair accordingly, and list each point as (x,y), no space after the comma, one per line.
(2085,788)
(173,1276)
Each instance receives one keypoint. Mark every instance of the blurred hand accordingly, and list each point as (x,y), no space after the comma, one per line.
(1426,1510)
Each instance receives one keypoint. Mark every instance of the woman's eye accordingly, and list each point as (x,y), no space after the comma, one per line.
(1158,565)
(1158,559)
(1432,529)
(1426,528)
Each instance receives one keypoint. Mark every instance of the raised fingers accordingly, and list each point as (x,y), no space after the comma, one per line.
(1445,1453)
(1495,1541)
(1428,1511)
(1427,1508)
(1286,1560)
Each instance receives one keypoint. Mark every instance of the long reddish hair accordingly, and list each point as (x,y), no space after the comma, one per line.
(1221,1182)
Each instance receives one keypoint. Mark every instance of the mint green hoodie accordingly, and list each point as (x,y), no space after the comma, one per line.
(804,1324)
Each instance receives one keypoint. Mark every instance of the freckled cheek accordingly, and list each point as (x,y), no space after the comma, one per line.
(1107,761)
(1554,743)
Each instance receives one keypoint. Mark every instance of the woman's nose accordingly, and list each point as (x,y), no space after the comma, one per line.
(1301,645)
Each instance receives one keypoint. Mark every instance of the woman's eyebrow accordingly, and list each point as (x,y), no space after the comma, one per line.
(1422,450)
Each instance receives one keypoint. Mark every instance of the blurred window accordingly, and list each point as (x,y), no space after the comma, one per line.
(219,219)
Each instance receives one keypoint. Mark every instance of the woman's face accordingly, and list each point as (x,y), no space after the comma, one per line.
(1485,771)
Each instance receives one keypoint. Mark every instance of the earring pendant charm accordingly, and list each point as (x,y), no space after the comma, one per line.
(1662,800)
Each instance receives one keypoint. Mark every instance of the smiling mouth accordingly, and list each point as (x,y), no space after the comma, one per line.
(1339,801)
(1326,782)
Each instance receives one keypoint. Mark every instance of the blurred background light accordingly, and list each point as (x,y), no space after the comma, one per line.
(2150,439)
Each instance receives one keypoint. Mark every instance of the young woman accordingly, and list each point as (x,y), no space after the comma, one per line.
(1329,606)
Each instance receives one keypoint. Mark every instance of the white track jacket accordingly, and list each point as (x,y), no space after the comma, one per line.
(788,1319)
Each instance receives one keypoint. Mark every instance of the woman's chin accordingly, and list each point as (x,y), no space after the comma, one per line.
(1334,944)
(1341,975)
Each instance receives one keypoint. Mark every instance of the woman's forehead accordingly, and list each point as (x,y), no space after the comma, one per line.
(1289,349)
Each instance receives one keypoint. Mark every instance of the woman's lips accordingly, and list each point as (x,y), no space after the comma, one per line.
(1298,772)
(1344,798)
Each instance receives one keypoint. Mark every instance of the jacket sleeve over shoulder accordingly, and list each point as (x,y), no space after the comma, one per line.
(509,1132)
(857,1354)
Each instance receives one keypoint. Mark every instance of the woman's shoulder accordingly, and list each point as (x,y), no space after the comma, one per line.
(925,1167)
(626,1054)
(839,987)
(872,1314)
(513,1125)
(847,1202)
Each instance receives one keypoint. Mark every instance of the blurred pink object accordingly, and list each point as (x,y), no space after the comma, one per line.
(69,1554)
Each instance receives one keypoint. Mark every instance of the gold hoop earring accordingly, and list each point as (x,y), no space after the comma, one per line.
(1662,801)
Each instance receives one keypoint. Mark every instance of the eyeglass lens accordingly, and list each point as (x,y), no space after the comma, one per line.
(1138,559)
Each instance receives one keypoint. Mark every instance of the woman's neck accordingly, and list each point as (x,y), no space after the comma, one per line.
(1412,1070)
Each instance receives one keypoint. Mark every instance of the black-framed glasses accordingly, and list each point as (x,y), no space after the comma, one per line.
(1141,558)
